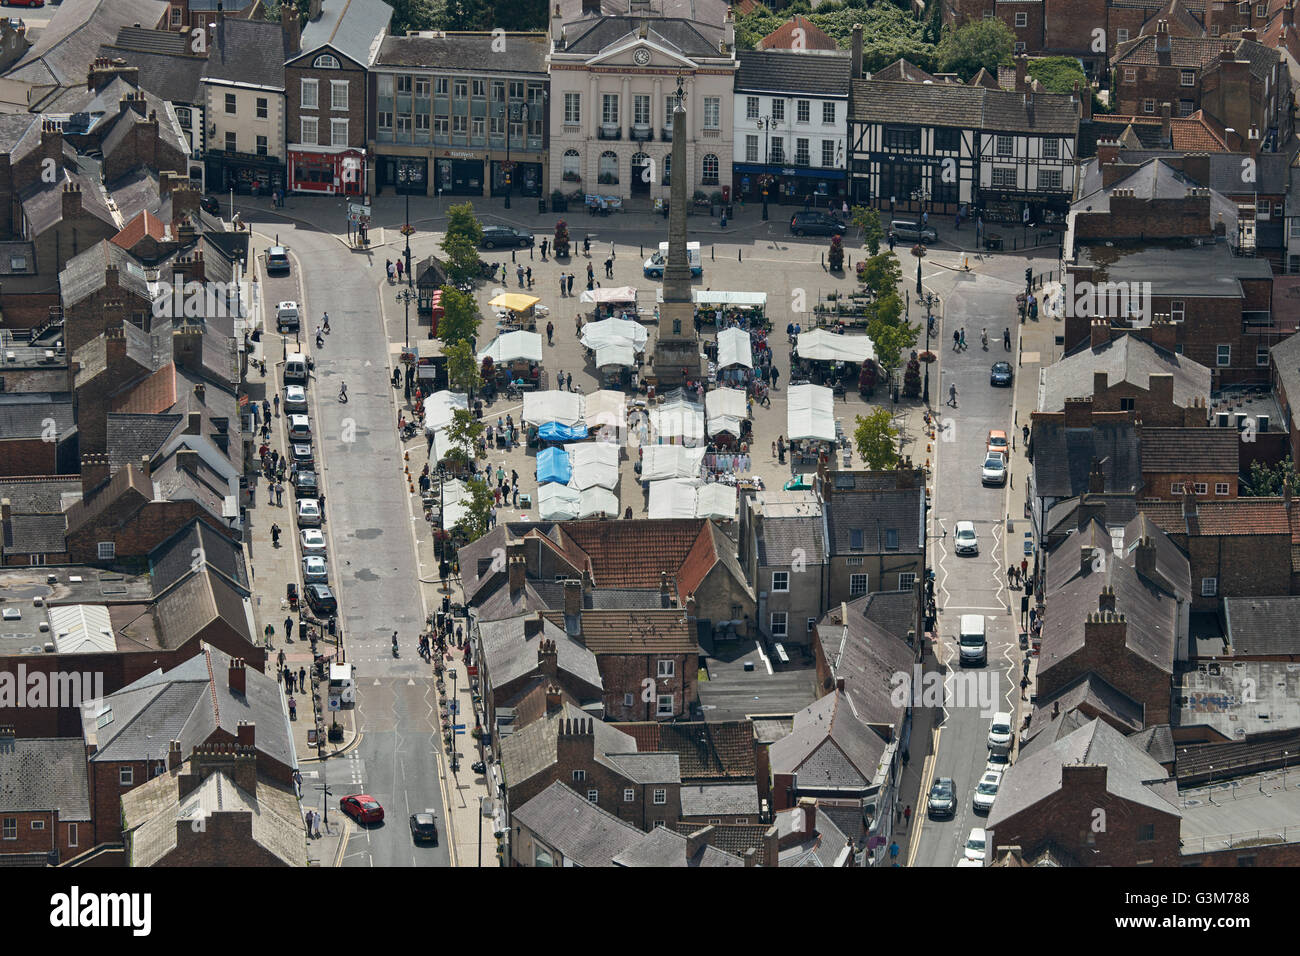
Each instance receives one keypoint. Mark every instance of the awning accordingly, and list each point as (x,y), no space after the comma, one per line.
(670,461)
(514,301)
(554,431)
(734,349)
(810,413)
(679,419)
(691,498)
(726,408)
(625,293)
(716,500)
(553,465)
(706,298)
(513,346)
(438,412)
(615,332)
(605,408)
(552,406)
(821,345)
(595,465)
(455,502)
(557,502)
(615,354)
(598,501)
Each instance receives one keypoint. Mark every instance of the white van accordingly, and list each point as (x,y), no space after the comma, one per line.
(295,369)
(654,266)
(1000,732)
(287,316)
(343,683)
(972,648)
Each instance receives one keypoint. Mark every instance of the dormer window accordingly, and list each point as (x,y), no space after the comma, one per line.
(326,62)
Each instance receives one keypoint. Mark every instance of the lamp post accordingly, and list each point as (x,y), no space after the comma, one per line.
(765,180)
(928,300)
(406,176)
(455,712)
(405,296)
(918,250)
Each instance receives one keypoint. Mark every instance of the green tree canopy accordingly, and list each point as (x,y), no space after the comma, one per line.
(876,439)
(474,523)
(867,221)
(1266,481)
(463,368)
(412,15)
(460,258)
(976,44)
(888,33)
(460,319)
(463,432)
(461,221)
(891,338)
(881,273)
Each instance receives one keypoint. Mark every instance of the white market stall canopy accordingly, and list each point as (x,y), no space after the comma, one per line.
(557,502)
(625,293)
(678,419)
(734,348)
(726,408)
(670,461)
(595,465)
(553,406)
(810,413)
(438,410)
(691,498)
(616,353)
(615,332)
(821,345)
(605,408)
(598,501)
(455,502)
(514,346)
(710,298)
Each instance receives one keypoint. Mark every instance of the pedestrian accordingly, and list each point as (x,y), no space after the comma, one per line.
(925,219)
(519,271)
(399,270)
(550,333)
(388,265)
(892,241)
(776,373)
(609,268)
(320,339)
(293,709)
(561,283)
(952,394)
(963,340)
(288,628)
(570,283)
(528,274)
(275,535)
(907,815)
(279,494)
(956,340)
(302,678)
(773,449)
(1011,575)
(1024,568)
(893,851)
(544,242)
(1006,339)
(266,408)
(591,275)
(277,404)
(514,495)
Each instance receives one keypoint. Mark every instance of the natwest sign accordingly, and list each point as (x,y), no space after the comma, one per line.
(460,154)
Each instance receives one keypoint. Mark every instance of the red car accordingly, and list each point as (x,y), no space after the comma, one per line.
(22,3)
(363,808)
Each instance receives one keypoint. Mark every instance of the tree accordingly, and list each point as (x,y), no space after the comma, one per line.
(463,433)
(891,339)
(875,437)
(460,258)
(867,221)
(460,319)
(912,378)
(461,221)
(1266,481)
(974,45)
(478,511)
(465,15)
(881,273)
(462,368)
(412,15)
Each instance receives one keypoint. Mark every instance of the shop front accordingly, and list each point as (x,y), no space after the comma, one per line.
(1024,209)
(245,173)
(525,179)
(327,172)
(406,174)
(790,184)
(458,174)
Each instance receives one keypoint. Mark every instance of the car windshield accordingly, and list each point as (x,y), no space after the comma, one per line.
(965,534)
(988,786)
(998,441)
(942,789)
(993,461)
(975,843)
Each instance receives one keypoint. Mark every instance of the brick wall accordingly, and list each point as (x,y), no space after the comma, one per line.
(78,231)
(106,792)
(105,309)
(28,456)
(1163,84)
(138,533)
(1068,26)
(1257,564)
(225,839)
(624,674)
(1093,825)
(1031,34)
(143,146)
(1159,484)
(355,113)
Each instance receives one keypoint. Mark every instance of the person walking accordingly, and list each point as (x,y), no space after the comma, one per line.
(302,678)
(561,284)
(544,244)
(893,852)
(956,340)
(591,275)
(388,267)
(776,373)
(984,339)
(519,272)
(528,274)
(1024,568)
(1006,339)
(550,333)
(570,283)
(963,339)
(952,394)
(907,815)
(400,267)
(277,404)
(266,407)
(609,268)
(320,338)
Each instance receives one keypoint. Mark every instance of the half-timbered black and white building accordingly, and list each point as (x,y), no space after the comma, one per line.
(943,147)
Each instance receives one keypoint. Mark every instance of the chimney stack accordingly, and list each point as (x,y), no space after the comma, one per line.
(72,202)
(6,514)
(187,460)
(174,756)
(237,682)
(247,733)
(572,597)
(1096,478)
(194,424)
(1166,124)
(1021,64)
(1086,552)
(1144,558)
(95,471)
(1106,599)
(291,26)
(518,569)
(855,67)
(554,699)
(547,657)
(697,840)
(808,807)
(1162,37)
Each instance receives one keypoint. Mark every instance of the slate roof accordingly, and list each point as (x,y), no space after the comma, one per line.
(36,534)
(532,749)
(1262,626)
(823,74)
(904,71)
(65,48)
(1091,689)
(203,485)
(829,747)
(1063,457)
(1036,777)
(733,838)
(509,655)
(1125,359)
(250,52)
(634,632)
(34,496)
(196,602)
(1157,742)
(43,202)
(1195,53)
(465,51)
(867,657)
(1286,360)
(782,537)
(29,418)
(662,848)
(188,703)
(647,768)
(83,274)
(703,11)
(719,799)
(576,827)
(812,38)
(822,849)
(874,511)
(353,27)
(1190,450)
(133,436)
(705,751)
(128,481)
(45,773)
(194,547)
(687,37)
(963,107)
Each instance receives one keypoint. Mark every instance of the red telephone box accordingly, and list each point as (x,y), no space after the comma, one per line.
(726,194)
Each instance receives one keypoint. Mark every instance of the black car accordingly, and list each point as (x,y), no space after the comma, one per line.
(210,204)
(808,223)
(1001,374)
(320,599)
(305,484)
(494,236)
(424,826)
(943,798)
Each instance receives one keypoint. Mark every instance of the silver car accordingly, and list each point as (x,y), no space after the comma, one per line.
(994,471)
(315,570)
(986,791)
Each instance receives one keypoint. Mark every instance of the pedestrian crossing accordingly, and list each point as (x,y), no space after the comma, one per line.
(356,770)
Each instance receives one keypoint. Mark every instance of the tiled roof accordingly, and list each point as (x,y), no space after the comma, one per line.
(1125,359)
(576,827)
(1197,134)
(903,71)
(633,553)
(812,37)
(866,657)
(1243,516)
(719,799)
(45,773)
(963,107)
(634,632)
(1191,450)
(142,225)
(532,749)
(33,417)
(1194,52)
(793,71)
(1286,360)
(152,395)
(707,751)
(643,768)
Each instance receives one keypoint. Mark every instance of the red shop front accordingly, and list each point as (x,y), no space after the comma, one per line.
(326,171)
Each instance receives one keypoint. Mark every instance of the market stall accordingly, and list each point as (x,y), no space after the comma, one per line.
(553,465)
(553,406)
(691,498)
(810,413)
(598,501)
(558,502)
(746,309)
(594,465)
(832,359)
(726,409)
(677,421)
(615,332)
(559,432)
(620,302)
(605,409)
(439,409)
(670,461)
(515,310)
(514,347)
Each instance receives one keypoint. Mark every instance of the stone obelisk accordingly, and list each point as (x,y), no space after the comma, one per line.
(677,351)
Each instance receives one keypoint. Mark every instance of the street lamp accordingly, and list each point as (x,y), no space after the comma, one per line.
(766,179)
(405,177)
(406,296)
(918,250)
(928,299)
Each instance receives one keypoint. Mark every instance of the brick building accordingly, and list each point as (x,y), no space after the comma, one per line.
(46,816)
(37,437)
(1204,461)
(32,518)
(873,523)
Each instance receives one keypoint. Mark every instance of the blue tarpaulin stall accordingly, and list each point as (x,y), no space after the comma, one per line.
(558,431)
(553,465)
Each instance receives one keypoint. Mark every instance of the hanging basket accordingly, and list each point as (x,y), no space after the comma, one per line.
(927,357)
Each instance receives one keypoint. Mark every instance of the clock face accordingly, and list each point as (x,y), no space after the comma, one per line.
(642,57)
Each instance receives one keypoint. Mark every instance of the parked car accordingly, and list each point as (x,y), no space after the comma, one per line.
(363,808)
(943,798)
(986,791)
(813,223)
(22,3)
(277,260)
(302,454)
(287,316)
(300,429)
(1000,731)
(309,515)
(998,760)
(977,844)
(295,399)
(210,204)
(494,236)
(320,599)
(994,471)
(315,570)
(305,484)
(909,230)
(1001,374)
(424,826)
(967,542)
(998,442)
(313,541)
